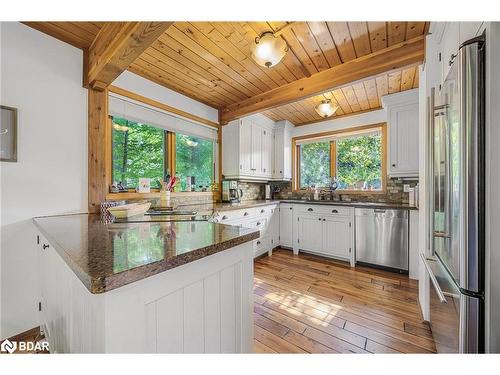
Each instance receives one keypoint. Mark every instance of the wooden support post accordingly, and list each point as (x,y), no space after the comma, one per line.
(99,148)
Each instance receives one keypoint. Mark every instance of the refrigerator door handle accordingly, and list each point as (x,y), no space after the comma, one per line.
(439,291)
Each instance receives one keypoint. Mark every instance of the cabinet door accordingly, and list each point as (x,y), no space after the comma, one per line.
(278,154)
(273,227)
(245,147)
(450,43)
(404,141)
(286,225)
(337,237)
(267,152)
(256,149)
(310,232)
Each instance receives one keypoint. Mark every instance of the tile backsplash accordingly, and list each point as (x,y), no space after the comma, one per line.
(252,190)
(393,194)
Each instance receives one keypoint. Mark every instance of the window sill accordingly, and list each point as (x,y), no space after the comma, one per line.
(155,194)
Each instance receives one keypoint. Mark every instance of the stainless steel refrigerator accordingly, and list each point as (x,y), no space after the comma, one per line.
(456,267)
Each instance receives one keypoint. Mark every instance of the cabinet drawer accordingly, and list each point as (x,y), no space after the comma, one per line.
(324,210)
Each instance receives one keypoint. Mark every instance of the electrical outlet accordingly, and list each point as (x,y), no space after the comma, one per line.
(406,188)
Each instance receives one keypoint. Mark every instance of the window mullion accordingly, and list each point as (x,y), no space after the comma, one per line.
(333,158)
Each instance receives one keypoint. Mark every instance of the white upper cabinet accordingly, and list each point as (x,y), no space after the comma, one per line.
(282,158)
(402,114)
(250,150)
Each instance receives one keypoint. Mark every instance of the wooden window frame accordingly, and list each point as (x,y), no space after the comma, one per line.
(333,156)
(170,156)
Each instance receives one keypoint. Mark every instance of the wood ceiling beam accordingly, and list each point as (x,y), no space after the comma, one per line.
(115,48)
(399,55)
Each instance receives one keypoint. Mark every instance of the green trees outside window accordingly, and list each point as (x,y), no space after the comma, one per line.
(194,157)
(138,151)
(356,163)
(314,164)
(359,162)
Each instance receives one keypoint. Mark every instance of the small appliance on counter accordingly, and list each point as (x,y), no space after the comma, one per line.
(268,192)
(230,192)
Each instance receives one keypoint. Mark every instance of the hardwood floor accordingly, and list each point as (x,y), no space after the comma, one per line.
(309,304)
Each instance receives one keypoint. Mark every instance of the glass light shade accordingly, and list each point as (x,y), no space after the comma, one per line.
(268,50)
(191,143)
(326,108)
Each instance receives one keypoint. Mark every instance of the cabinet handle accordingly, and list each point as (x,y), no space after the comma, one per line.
(262,211)
(245,214)
(264,169)
(452,59)
(253,169)
(394,165)
(258,242)
(335,212)
(291,208)
(324,219)
(310,209)
(258,223)
(45,246)
(224,217)
(319,218)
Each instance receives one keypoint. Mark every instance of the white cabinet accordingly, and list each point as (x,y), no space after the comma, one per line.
(249,150)
(310,232)
(402,113)
(449,46)
(263,218)
(326,230)
(286,225)
(336,239)
(282,158)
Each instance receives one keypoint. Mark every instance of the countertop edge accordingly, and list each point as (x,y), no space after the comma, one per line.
(99,285)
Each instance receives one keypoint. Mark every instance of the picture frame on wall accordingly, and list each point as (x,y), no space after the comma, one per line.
(8,134)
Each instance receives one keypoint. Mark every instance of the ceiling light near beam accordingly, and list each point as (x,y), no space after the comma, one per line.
(326,108)
(268,49)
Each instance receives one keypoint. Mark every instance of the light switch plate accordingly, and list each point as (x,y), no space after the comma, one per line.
(406,188)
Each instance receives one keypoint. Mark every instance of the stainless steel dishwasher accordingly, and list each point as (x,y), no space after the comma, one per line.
(382,238)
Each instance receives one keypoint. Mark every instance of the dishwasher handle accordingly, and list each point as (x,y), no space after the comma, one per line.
(438,289)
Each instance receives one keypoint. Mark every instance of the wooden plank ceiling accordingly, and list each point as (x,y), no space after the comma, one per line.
(211,62)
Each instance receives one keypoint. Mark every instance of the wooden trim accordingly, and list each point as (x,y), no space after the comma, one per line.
(219,161)
(399,55)
(99,146)
(162,106)
(171,153)
(131,195)
(333,158)
(296,154)
(116,46)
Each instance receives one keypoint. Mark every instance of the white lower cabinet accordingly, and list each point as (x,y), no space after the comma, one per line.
(310,233)
(263,218)
(325,230)
(286,225)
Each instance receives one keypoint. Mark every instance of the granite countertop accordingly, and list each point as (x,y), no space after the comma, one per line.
(108,256)
(387,205)
(211,207)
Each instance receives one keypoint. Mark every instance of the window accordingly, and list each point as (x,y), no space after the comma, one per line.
(354,158)
(314,164)
(140,150)
(194,157)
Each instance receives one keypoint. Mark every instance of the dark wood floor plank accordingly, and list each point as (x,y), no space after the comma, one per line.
(260,348)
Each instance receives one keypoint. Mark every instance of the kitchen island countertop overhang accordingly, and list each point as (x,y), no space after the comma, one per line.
(107,256)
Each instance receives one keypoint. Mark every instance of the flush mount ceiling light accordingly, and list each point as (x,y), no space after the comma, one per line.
(326,108)
(268,49)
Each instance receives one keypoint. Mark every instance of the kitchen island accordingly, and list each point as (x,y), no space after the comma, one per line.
(150,287)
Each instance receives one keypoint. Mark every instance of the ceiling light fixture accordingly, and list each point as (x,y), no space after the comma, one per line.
(268,49)
(326,108)
(191,143)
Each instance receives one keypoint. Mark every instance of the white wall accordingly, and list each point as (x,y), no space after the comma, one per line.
(368,118)
(42,77)
(132,82)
